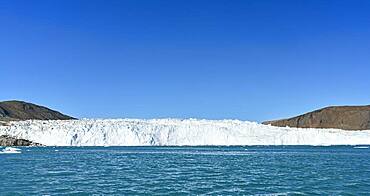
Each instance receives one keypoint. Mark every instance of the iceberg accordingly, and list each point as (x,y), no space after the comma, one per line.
(174,132)
(10,150)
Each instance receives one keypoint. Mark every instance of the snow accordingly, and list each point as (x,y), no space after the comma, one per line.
(136,132)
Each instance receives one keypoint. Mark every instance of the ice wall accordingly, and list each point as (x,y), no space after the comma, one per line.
(134,132)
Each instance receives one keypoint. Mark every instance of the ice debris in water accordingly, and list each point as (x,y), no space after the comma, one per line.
(10,150)
(361,147)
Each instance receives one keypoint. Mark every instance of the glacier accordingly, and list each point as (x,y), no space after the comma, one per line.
(174,132)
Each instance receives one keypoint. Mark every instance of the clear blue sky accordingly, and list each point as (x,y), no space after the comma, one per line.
(241,59)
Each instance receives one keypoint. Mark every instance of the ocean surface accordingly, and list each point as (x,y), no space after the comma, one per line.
(240,170)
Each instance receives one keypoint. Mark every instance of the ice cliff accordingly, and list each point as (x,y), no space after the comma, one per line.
(134,132)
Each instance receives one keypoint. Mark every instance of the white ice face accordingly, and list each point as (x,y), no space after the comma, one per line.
(133,132)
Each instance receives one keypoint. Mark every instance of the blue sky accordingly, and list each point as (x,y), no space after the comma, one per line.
(241,59)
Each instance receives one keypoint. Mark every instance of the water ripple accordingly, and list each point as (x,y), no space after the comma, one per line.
(260,171)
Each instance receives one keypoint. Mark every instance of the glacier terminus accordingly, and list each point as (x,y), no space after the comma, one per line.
(174,132)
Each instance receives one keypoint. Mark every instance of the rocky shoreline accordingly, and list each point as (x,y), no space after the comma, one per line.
(6,140)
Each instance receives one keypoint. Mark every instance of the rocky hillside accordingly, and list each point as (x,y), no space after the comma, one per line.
(19,110)
(340,117)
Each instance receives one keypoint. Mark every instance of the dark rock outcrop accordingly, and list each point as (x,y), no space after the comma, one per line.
(19,110)
(12,141)
(339,117)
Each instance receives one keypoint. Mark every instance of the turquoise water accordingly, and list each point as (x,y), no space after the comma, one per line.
(250,170)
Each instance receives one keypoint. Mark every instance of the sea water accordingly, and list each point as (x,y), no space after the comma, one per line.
(239,170)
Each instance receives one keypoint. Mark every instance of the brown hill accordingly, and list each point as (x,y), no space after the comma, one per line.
(19,110)
(339,117)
